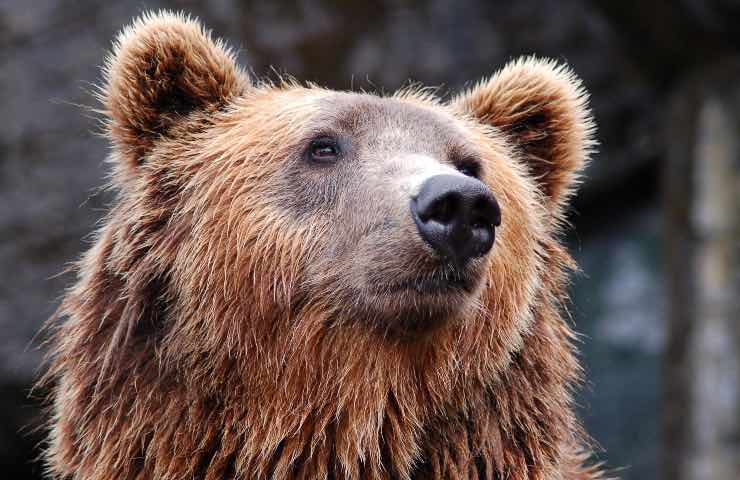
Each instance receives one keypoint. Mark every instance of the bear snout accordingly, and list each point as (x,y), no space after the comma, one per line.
(457,216)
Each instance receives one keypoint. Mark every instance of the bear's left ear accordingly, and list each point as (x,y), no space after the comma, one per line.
(541,107)
(163,67)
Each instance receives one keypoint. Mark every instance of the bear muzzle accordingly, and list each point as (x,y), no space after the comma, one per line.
(457,216)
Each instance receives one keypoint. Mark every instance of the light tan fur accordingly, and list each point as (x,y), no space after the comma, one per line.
(200,342)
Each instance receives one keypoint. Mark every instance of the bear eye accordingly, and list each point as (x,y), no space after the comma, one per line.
(323,150)
(469,167)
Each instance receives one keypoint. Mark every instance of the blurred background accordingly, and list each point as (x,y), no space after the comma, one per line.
(656,225)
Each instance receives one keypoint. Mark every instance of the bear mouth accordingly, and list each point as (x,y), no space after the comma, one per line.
(439,282)
(430,285)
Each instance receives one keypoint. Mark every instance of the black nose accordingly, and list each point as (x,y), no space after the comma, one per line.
(456,215)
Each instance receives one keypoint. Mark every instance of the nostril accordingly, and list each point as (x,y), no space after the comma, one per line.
(442,210)
(480,223)
(485,211)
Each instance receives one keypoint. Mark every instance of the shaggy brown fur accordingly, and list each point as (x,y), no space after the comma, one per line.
(217,330)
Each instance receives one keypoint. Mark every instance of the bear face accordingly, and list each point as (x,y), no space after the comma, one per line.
(354,245)
(319,283)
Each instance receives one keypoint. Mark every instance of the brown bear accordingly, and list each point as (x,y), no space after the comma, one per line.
(295,282)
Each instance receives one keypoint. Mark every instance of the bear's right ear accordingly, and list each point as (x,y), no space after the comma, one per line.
(164,67)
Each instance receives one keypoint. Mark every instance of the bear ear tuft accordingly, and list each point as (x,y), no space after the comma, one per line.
(163,67)
(541,107)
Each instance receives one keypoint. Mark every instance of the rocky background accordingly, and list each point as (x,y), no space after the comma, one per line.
(637,58)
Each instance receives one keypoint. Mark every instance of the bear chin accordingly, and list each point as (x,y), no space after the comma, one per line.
(413,308)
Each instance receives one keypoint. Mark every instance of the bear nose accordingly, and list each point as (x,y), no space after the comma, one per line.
(456,215)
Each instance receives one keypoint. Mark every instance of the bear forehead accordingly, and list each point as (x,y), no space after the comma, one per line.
(415,123)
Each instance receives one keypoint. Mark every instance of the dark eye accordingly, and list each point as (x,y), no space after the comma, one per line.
(323,150)
(471,168)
